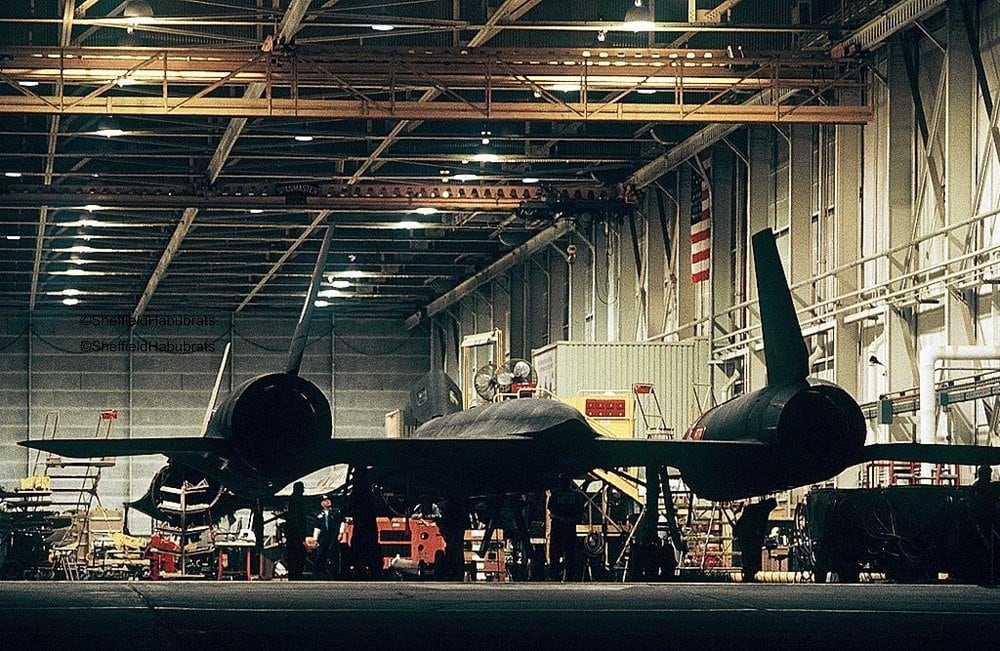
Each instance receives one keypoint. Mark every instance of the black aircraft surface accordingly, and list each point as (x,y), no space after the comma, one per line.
(795,431)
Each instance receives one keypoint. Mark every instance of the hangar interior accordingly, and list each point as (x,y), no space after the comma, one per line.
(505,180)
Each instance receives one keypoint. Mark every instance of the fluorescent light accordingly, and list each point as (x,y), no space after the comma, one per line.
(465,177)
(565,88)
(332,293)
(485,157)
(529,179)
(353,273)
(383,27)
(646,91)
(341,284)
(256,211)
(68,292)
(304,138)
(409,224)
(12,175)
(70,301)
(109,133)
(13,237)
(91,207)
(426,210)
(322,303)
(27,83)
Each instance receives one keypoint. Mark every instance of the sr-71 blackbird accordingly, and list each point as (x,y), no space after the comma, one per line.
(795,431)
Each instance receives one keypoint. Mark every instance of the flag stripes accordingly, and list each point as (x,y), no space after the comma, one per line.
(701,222)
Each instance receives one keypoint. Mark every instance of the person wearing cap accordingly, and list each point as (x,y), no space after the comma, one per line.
(326,532)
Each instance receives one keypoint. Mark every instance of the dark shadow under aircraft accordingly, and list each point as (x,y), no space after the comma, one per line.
(795,431)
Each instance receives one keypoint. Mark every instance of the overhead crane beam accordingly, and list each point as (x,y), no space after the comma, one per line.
(445,110)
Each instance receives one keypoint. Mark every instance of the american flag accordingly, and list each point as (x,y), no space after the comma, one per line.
(701,221)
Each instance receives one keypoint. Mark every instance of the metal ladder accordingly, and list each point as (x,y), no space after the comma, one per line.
(76,481)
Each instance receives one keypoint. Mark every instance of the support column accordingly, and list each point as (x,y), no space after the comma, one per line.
(847,152)
(761,142)
(960,327)
(685,288)
(723,223)
(580,285)
(901,345)
(800,206)
(846,249)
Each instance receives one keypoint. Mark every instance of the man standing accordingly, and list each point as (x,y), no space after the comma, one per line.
(295,533)
(326,532)
(749,532)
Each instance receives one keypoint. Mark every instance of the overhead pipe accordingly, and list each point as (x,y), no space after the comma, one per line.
(929,356)
(521,253)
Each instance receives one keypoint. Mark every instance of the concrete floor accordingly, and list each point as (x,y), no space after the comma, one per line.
(315,615)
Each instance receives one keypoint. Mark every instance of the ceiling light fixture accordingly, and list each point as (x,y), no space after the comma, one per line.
(304,138)
(71,301)
(109,128)
(409,224)
(322,303)
(27,83)
(426,210)
(485,157)
(341,284)
(333,293)
(383,27)
(137,12)
(109,132)
(91,207)
(465,177)
(256,211)
(13,237)
(529,180)
(12,175)
(639,18)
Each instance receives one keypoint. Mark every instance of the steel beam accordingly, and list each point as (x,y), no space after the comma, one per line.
(415,110)
(892,21)
(276,267)
(290,24)
(684,150)
(507,9)
(65,35)
(518,255)
(174,245)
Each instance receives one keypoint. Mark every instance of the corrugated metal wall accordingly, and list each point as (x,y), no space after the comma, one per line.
(678,371)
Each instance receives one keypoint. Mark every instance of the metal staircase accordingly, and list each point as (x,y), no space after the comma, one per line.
(73,482)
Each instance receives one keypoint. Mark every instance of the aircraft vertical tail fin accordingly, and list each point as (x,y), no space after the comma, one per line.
(298,345)
(784,348)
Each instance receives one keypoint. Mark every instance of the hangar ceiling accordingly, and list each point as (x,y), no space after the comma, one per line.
(182,154)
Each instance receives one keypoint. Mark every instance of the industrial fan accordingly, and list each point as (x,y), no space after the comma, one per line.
(511,377)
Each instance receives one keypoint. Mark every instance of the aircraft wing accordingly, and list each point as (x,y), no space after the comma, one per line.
(85,448)
(599,452)
(966,455)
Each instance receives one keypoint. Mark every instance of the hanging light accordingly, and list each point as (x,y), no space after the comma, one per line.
(137,12)
(639,18)
(109,128)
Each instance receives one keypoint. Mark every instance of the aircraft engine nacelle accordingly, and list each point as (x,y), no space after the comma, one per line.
(275,424)
(814,429)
